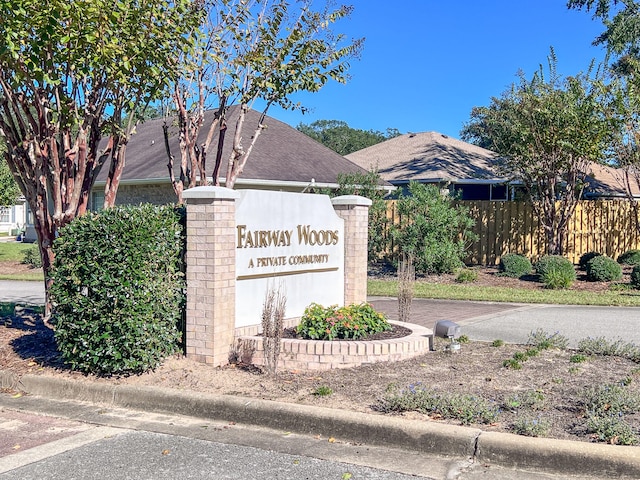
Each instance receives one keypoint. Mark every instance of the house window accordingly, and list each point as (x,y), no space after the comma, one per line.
(5,215)
(499,192)
(97,201)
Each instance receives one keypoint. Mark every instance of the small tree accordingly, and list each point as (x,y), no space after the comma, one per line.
(251,50)
(69,71)
(369,185)
(432,229)
(548,131)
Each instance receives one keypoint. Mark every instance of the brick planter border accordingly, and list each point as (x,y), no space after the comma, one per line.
(298,354)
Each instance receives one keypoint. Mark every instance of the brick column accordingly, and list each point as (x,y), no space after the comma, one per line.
(211,273)
(355,212)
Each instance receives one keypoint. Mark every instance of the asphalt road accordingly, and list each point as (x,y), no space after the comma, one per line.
(155,456)
(27,292)
(479,320)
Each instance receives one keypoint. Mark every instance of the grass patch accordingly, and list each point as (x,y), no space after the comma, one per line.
(13,251)
(389,288)
(322,391)
(36,276)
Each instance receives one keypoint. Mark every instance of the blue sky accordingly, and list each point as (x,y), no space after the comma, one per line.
(426,63)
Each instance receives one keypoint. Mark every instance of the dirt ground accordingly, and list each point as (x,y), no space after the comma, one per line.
(12,268)
(27,346)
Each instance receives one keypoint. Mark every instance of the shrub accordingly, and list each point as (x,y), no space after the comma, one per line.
(32,257)
(117,289)
(353,321)
(432,229)
(611,429)
(368,185)
(514,265)
(465,408)
(542,340)
(556,271)
(630,257)
(635,277)
(531,427)
(603,269)
(547,262)
(605,347)
(466,275)
(611,399)
(584,259)
(605,406)
(528,399)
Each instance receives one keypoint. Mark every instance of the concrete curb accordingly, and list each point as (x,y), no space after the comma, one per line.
(503,449)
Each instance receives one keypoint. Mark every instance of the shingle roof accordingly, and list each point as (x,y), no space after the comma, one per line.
(281,153)
(428,156)
(605,181)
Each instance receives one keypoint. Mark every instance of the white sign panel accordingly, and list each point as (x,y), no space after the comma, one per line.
(290,241)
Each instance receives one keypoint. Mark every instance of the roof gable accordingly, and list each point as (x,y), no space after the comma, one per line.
(281,153)
(428,156)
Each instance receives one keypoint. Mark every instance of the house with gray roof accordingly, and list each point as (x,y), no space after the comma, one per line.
(431,157)
(282,159)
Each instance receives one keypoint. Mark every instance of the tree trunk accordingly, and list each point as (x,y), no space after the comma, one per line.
(46,233)
(115,172)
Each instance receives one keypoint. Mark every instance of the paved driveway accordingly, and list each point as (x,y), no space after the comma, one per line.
(513,322)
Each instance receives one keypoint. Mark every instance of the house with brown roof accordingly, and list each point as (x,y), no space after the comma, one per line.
(607,182)
(464,168)
(283,159)
(431,157)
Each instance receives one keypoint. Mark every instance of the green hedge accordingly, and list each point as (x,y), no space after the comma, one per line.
(118,289)
(630,257)
(603,269)
(515,265)
(555,271)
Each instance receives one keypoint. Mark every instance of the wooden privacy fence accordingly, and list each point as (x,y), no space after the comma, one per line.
(604,226)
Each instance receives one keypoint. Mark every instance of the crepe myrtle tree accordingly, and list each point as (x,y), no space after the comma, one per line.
(250,51)
(69,72)
(622,41)
(548,130)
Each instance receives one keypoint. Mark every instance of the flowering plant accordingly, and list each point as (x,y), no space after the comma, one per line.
(349,322)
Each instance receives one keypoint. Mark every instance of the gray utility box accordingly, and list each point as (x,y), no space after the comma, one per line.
(444,329)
